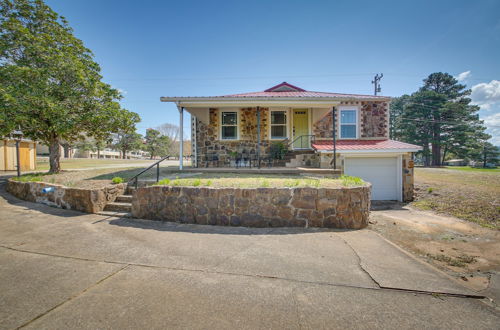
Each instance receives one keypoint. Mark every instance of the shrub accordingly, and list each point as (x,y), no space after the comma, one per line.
(117,180)
(196,182)
(163,182)
(348,181)
(430,190)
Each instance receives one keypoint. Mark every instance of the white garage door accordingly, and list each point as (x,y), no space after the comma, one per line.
(381,172)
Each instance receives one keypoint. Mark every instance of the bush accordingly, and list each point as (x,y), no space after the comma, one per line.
(117,180)
(348,181)
(278,150)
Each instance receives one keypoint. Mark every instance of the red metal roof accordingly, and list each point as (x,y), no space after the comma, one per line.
(286,90)
(363,145)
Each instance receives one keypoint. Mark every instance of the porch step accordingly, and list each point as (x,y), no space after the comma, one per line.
(116,214)
(124,199)
(118,207)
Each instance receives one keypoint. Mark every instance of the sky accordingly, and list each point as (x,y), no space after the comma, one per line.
(152,48)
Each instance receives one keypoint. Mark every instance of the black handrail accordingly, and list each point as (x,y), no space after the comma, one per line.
(311,137)
(157,164)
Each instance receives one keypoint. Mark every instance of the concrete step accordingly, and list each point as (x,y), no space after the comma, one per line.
(124,199)
(116,214)
(118,207)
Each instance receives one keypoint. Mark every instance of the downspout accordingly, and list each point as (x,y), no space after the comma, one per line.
(258,137)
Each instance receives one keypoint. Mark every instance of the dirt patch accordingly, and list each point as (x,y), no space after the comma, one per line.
(465,250)
(470,195)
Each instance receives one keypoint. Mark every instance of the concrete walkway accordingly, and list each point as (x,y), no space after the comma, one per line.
(61,269)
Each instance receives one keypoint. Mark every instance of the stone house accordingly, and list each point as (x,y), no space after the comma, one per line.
(311,125)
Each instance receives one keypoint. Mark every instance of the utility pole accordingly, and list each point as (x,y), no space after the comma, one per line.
(376,82)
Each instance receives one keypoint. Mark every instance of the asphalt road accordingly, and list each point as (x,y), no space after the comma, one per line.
(61,269)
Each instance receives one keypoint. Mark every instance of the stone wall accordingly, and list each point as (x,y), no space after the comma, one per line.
(208,142)
(255,207)
(85,200)
(408,186)
(373,121)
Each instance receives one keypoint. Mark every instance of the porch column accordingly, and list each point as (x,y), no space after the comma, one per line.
(334,138)
(181,138)
(258,137)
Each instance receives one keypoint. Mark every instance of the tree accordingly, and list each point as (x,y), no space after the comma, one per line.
(438,117)
(126,142)
(487,153)
(172,132)
(156,144)
(50,85)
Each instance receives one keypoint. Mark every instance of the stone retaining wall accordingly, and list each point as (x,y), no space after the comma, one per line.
(85,200)
(255,207)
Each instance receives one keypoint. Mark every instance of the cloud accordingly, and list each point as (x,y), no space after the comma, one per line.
(122,91)
(486,95)
(463,76)
(493,124)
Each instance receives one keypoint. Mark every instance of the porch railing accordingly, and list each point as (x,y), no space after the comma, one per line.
(302,141)
(135,178)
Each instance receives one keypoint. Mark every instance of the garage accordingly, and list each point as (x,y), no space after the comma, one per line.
(384,173)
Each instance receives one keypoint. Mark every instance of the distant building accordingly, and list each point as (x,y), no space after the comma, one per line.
(456,162)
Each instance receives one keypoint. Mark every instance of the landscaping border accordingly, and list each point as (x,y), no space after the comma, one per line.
(343,207)
(80,199)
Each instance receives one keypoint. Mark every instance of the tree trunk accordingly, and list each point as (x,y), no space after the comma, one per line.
(436,155)
(426,155)
(444,155)
(124,154)
(54,156)
(98,153)
(485,158)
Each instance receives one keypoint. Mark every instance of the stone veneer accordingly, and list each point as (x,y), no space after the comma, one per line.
(373,121)
(85,200)
(207,137)
(408,178)
(255,207)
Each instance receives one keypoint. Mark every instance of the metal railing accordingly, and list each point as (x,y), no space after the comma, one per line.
(305,141)
(135,178)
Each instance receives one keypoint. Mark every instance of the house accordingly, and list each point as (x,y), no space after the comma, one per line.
(304,121)
(8,156)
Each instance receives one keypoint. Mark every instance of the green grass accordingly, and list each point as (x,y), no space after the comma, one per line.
(261,181)
(473,169)
(30,177)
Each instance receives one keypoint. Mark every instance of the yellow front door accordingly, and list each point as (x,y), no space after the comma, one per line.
(300,128)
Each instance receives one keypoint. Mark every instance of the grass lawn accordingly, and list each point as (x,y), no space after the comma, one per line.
(84,163)
(472,195)
(473,169)
(245,180)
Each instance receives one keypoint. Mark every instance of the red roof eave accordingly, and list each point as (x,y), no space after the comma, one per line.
(366,145)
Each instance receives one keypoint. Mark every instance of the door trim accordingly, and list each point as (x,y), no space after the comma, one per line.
(292,110)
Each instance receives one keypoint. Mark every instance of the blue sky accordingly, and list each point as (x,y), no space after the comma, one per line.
(152,48)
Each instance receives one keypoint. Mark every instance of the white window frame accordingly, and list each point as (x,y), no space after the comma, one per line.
(221,112)
(287,123)
(356,111)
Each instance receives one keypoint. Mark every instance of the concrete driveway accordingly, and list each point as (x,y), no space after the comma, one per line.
(62,269)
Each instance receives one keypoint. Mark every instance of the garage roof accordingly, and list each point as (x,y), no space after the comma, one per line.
(365,146)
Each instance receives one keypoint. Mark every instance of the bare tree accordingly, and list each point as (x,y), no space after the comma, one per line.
(173,133)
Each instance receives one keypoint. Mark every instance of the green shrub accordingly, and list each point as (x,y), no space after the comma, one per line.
(430,190)
(163,182)
(196,182)
(208,183)
(349,181)
(117,180)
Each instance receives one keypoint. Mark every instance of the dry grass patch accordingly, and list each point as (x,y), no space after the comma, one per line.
(468,195)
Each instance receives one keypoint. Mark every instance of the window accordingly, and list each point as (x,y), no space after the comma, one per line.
(229,126)
(348,124)
(278,125)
